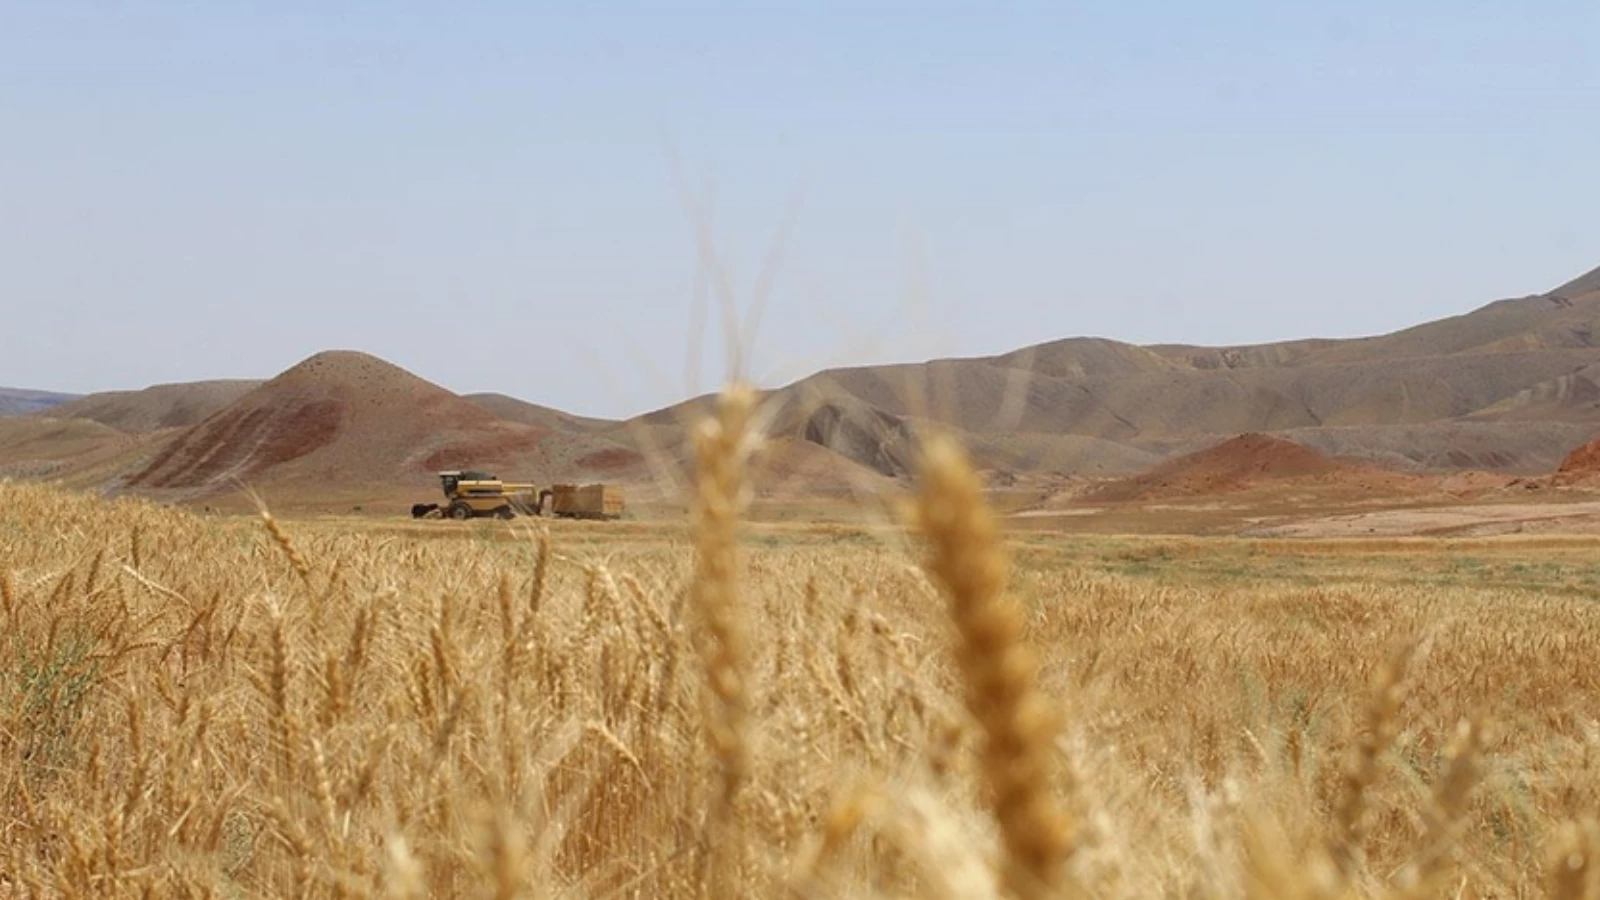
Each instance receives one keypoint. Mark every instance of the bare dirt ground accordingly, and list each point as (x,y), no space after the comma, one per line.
(1465,520)
(1310,512)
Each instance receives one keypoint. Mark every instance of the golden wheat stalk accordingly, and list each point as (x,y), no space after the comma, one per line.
(1443,816)
(541,572)
(1360,775)
(721,450)
(285,724)
(999,669)
(281,538)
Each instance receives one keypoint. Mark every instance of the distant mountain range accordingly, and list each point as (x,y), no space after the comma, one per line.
(18,402)
(1511,387)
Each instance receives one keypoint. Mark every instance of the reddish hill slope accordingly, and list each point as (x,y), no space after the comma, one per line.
(1236,464)
(513,410)
(1582,463)
(340,418)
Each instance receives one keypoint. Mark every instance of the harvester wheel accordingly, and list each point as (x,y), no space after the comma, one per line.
(504,512)
(460,511)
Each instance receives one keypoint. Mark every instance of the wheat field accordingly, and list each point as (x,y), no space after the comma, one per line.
(247,707)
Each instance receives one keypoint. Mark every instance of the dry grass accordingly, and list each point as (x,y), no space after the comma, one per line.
(207,707)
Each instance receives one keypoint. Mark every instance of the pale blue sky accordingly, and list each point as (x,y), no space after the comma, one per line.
(481,192)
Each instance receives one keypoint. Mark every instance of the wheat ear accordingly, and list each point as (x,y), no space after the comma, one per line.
(281,538)
(721,448)
(999,669)
(1381,726)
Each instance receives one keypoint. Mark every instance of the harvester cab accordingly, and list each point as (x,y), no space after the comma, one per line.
(456,483)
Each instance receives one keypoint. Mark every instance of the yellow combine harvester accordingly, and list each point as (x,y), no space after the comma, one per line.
(471,495)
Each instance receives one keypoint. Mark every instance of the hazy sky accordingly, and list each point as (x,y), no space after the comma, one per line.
(483,192)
